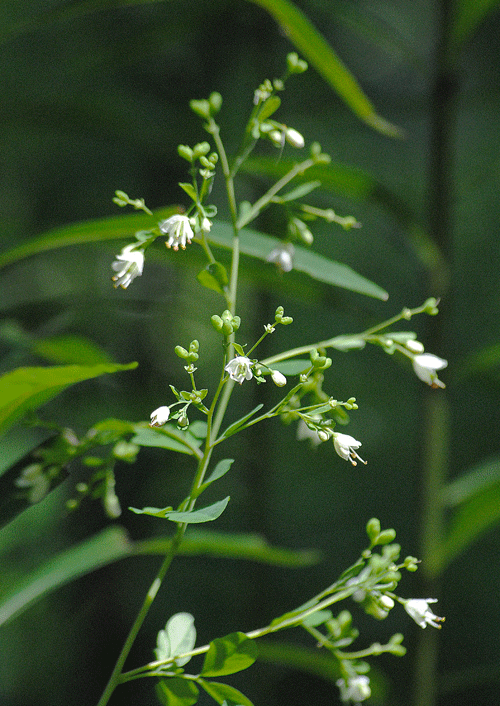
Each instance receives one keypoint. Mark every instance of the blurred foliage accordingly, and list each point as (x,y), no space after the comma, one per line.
(95,98)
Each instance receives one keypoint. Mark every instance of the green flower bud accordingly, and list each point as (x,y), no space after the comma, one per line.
(185,152)
(215,100)
(430,305)
(181,352)
(200,150)
(387,536)
(373,529)
(200,107)
(217,322)
(294,64)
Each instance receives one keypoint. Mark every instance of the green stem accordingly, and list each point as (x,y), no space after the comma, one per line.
(435,456)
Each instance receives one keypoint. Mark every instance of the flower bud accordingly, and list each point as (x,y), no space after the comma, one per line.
(294,138)
(160,417)
(278,378)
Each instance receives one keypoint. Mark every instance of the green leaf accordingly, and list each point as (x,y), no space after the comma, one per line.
(233,428)
(177,692)
(167,437)
(468,15)
(214,277)
(71,348)
(178,637)
(223,693)
(318,52)
(205,514)
(479,478)
(475,516)
(120,227)
(190,191)
(299,192)
(220,470)
(228,655)
(26,389)
(477,498)
(270,106)
(112,545)
(316,266)
(293,366)
(107,546)
(252,547)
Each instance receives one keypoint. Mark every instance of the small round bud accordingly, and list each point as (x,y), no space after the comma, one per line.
(181,352)
(430,306)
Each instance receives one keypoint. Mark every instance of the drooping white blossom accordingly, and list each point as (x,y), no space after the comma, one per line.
(418,609)
(179,231)
(356,689)
(160,416)
(239,369)
(128,265)
(346,446)
(425,366)
(282,256)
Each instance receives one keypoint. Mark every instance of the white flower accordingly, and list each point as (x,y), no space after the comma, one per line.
(32,477)
(239,368)
(294,138)
(179,231)
(128,265)
(282,256)
(206,224)
(346,446)
(303,432)
(160,417)
(425,366)
(418,609)
(278,378)
(357,689)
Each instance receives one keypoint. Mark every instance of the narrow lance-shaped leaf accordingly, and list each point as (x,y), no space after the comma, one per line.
(26,389)
(112,545)
(319,53)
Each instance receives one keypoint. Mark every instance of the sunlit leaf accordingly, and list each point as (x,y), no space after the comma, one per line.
(26,389)
(223,693)
(228,655)
(481,477)
(178,637)
(177,692)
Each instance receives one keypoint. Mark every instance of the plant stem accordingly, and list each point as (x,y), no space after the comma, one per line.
(436,409)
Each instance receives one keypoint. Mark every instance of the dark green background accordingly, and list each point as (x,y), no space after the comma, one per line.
(100,102)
